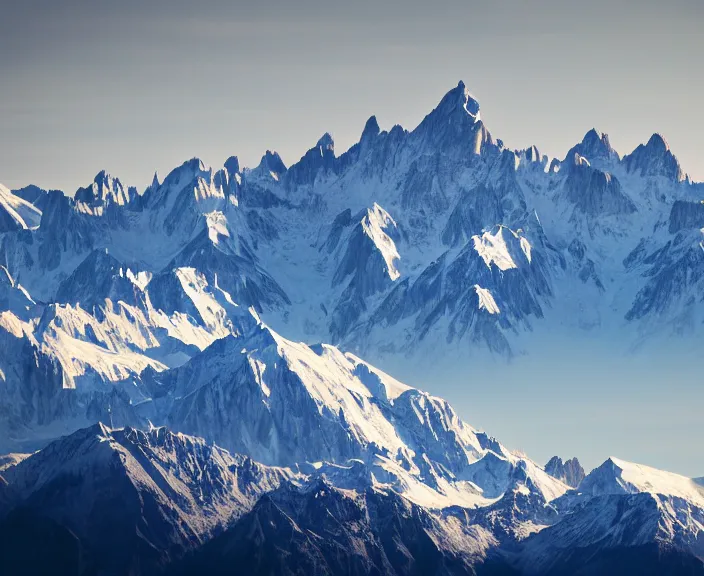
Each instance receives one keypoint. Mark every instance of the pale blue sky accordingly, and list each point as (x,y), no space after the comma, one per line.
(137,86)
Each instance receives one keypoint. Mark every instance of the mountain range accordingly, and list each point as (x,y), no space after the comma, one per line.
(191,376)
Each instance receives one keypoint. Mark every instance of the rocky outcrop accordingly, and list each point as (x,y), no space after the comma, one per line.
(570,472)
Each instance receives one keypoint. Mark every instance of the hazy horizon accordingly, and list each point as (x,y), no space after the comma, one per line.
(135,88)
(145,181)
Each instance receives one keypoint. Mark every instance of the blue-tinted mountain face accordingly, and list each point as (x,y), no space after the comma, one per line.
(162,352)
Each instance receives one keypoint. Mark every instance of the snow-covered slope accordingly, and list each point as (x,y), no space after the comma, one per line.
(285,403)
(162,493)
(615,534)
(433,241)
(624,510)
(156,493)
(439,242)
(16,213)
(617,476)
(429,248)
(33,194)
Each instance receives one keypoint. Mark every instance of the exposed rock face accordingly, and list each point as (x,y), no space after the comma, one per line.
(104,192)
(135,500)
(613,535)
(33,194)
(596,148)
(99,277)
(421,247)
(570,471)
(686,215)
(106,501)
(594,192)
(654,159)
(329,532)
(16,213)
(395,247)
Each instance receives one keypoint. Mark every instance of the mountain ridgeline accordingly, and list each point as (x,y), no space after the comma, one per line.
(191,376)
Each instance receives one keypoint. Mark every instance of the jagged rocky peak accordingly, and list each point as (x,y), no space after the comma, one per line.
(283,402)
(185,173)
(655,159)
(232,165)
(155,183)
(530,157)
(98,277)
(596,148)
(326,143)
(195,165)
(570,472)
(606,479)
(195,463)
(159,493)
(33,194)
(505,168)
(16,213)
(323,530)
(178,189)
(468,103)
(272,164)
(455,123)
(371,129)
(458,103)
(593,191)
(616,476)
(368,265)
(531,154)
(503,248)
(105,190)
(320,158)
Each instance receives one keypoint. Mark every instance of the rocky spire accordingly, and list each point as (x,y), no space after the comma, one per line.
(654,159)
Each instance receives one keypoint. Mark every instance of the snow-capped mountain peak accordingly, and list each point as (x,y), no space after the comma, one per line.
(616,476)
(503,248)
(596,148)
(455,124)
(105,190)
(271,165)
(433,251)
(655,159)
